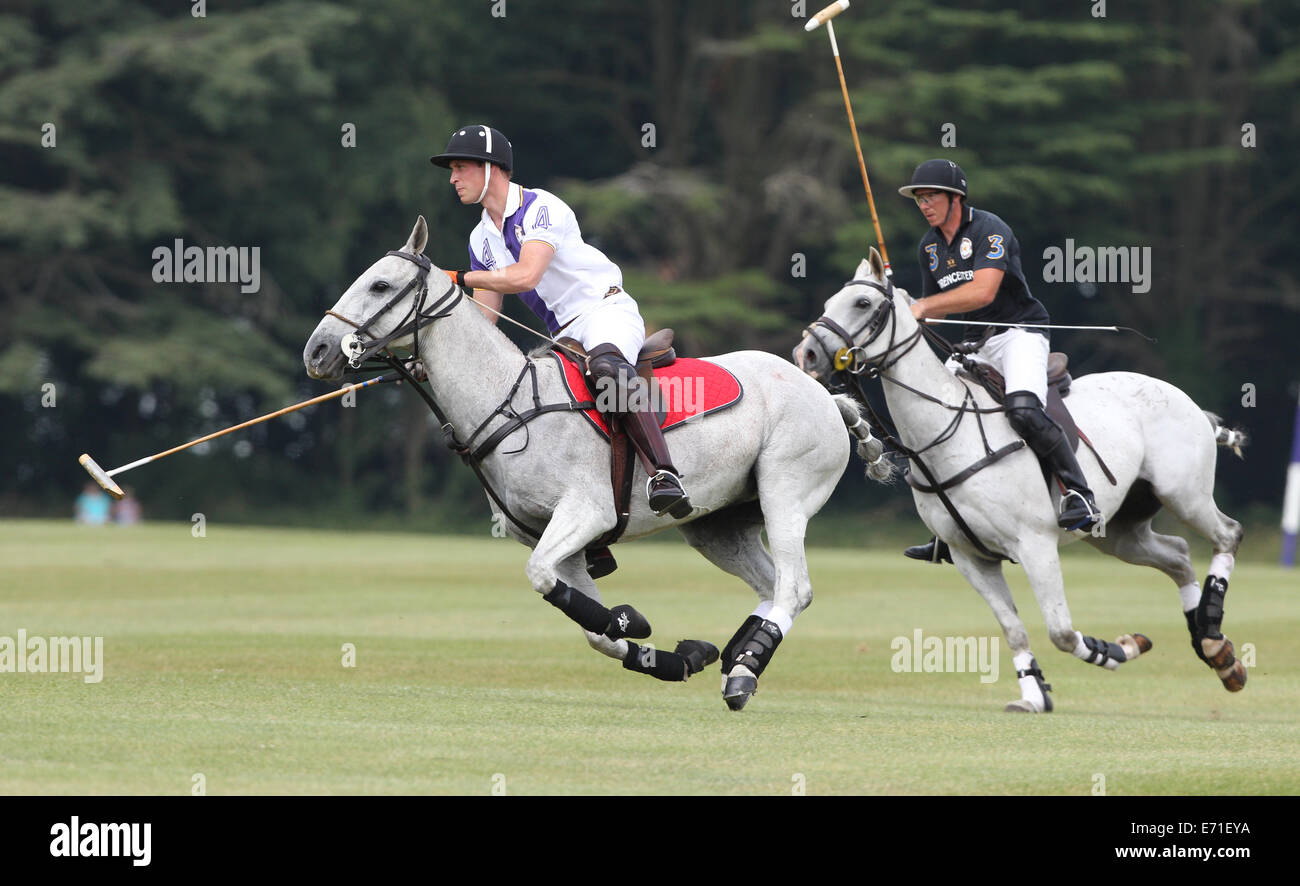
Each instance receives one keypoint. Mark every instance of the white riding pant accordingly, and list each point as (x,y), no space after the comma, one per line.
(614,320)
(1021,356)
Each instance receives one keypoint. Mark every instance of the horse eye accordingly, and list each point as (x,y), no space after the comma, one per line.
(864,303)
(378,286)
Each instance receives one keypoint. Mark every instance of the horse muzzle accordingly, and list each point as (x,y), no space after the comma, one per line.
(323,358)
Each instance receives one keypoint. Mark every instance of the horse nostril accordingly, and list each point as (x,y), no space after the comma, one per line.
(318,353)
(809,357)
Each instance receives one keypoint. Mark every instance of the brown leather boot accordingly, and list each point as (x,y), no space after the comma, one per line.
(612,374)
(664,488)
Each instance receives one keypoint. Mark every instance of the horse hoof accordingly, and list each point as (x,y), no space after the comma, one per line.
(1021,706)
(1134,645)
(624,621)
(698,655)
(1234,678)
(737,691)
(1217,652)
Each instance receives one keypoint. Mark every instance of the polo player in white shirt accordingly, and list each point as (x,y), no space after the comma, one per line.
(528,242)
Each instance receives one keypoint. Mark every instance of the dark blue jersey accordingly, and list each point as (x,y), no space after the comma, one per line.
(982,241)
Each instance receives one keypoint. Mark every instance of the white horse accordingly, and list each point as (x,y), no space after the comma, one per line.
(768,462)
(1158,444)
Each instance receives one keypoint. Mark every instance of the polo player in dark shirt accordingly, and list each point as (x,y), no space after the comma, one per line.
(970,266)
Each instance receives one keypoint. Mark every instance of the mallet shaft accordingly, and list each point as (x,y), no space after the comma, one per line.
(857,145)
(253,421)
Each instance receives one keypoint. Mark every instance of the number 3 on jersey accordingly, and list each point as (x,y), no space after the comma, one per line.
(996,249)
(934,256)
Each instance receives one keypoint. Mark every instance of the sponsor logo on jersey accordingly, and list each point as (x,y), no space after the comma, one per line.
(966,248)
(954,277)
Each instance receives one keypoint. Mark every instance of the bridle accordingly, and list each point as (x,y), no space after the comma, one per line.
(366,351)
(851,362)
(852,357)
(358,350)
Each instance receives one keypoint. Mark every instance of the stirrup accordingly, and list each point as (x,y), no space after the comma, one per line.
(934,551)
(1089,520)
(680,506)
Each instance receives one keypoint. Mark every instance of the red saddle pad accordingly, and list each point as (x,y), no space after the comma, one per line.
(689,388)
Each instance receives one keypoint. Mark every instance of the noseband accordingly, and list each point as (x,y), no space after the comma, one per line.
(852,357)
(359,350)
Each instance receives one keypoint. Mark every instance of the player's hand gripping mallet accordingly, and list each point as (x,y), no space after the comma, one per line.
(105,478)
(824,17)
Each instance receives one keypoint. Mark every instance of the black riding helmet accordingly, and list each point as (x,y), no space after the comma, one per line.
(477,142)
(938,175)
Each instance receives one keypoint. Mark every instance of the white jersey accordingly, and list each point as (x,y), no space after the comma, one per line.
(578,277)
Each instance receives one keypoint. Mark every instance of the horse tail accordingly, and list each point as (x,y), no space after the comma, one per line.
(1230,438)
(870,450)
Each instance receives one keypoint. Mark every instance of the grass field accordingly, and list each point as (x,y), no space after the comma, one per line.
(223,656)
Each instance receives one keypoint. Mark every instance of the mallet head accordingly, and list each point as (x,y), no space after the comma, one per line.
(826,15)
(101,476)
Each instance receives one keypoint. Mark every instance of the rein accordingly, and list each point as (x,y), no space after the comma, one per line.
(365,356)
(851,363)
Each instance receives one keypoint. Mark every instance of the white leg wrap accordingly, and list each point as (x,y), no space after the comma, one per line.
(1190,595)
(1221,565)
(1029,690)
(775,614)
(1082,651)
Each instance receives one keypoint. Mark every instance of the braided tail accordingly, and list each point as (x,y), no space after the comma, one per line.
(870,450)
(1229,438)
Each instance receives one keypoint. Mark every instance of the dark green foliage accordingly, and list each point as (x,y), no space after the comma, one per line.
(226,130)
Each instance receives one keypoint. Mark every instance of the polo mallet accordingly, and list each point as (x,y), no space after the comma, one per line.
(105,478)
(824,17)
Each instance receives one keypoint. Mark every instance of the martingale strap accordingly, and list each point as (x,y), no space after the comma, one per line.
(516,420)
(461,449)
(969,472)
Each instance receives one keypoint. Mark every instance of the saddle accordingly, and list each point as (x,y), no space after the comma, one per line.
(1058,388)
(656,353)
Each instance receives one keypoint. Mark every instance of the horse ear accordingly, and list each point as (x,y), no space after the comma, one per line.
(419,238)
(864,268)
(877,264)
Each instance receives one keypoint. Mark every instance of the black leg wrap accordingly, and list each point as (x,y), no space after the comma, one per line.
(621,621)
(1205,623)
(754,647)
(697,654)
(661,665)
(1103,651)
(1194,629)
(624,621)
(1209,613)
(729,651)
(589,614)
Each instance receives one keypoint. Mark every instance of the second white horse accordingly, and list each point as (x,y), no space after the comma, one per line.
(1160,447)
